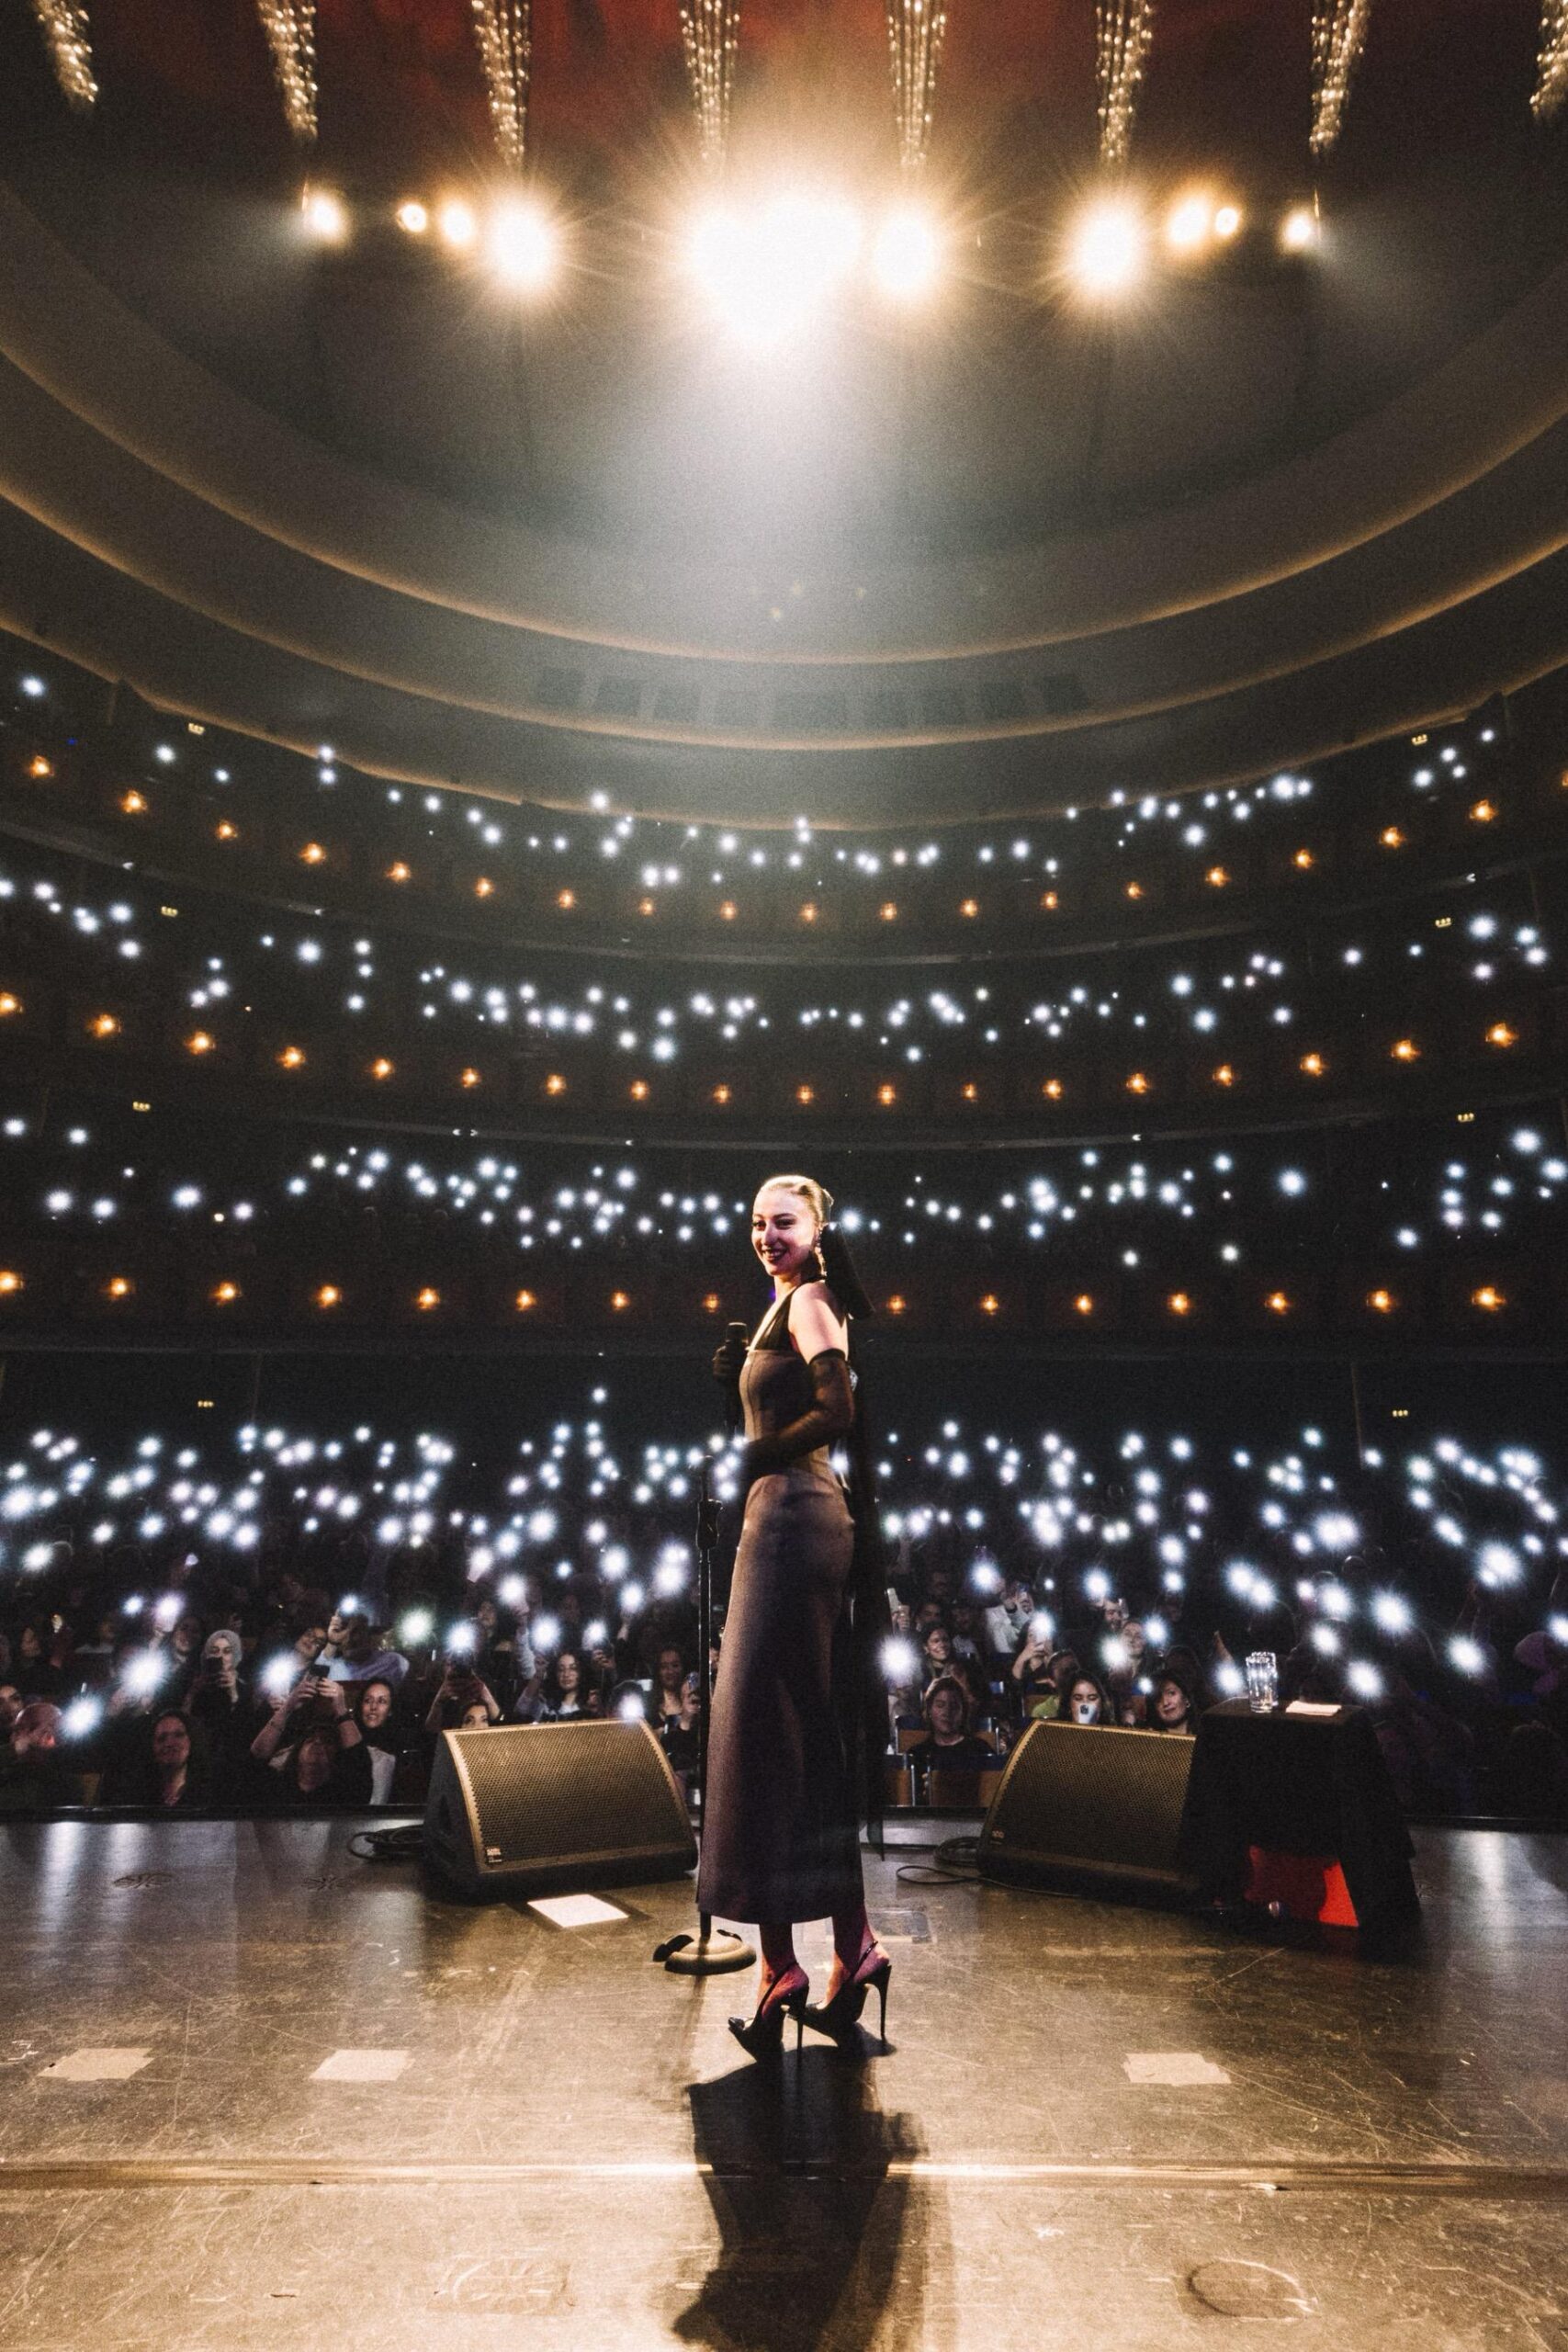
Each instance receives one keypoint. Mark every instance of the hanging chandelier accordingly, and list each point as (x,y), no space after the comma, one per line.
(916,29)
(1123,31)
(504,30)
(1338,32)
(63,24)
(710,34)
(290,29)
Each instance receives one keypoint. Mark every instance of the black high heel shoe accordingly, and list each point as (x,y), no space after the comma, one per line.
(839,2016)
(762,2034)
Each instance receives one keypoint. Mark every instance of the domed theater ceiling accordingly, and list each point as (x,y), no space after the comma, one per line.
(1001,548)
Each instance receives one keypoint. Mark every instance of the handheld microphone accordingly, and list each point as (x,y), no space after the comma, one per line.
(735,1338)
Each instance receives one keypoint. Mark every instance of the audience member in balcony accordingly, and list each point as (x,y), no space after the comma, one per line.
(311,1749)
(1175,1705)
(948,1745)
(175,1775)
(355,1652)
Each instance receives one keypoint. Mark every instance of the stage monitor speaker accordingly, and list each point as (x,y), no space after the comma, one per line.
(533,1808)
(1090,1809)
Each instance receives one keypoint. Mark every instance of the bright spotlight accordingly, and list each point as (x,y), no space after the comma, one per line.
(906,256)
(1227,221)
(1300,230)
(522,245)
(1107,249)
(457,225)
(325,215)
(767,271)
(1188,224)
(413,217)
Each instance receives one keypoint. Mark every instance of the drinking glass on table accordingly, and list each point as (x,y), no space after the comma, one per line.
(1263,1681)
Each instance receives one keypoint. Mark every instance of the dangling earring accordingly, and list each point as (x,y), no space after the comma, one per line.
(821,1261)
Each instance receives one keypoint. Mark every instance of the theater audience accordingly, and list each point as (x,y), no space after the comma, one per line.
(949,1743)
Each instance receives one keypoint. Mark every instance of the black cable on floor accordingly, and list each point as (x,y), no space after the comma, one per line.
(953,1863)
(404,1845)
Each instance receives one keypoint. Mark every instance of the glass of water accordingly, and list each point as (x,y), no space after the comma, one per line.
(1263,1681)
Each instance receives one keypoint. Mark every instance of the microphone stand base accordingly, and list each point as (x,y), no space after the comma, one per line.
(712,1953)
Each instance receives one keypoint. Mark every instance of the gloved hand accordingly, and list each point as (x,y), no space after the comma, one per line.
(728,1358)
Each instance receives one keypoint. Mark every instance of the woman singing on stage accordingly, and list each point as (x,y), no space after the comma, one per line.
(781,1838)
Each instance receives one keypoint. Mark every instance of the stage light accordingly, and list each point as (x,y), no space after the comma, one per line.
(766,271)
(413,217)
(1301,230)
(1108,248)
(522,245)
(907,255)
(1227,221)
(324,216)
(457,225)
(1188,223)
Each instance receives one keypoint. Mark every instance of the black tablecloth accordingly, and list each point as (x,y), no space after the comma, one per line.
(1297,1784)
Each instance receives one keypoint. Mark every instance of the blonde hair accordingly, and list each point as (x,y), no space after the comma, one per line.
(817,1198)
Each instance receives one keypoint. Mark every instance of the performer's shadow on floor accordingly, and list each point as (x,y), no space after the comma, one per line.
(821,2226)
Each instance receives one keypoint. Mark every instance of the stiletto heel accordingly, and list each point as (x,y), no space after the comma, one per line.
(838,2018)
(762,2034)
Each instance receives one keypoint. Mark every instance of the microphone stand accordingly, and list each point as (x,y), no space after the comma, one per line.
(711,1951)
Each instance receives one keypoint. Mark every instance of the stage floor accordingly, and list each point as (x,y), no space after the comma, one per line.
(260,2093)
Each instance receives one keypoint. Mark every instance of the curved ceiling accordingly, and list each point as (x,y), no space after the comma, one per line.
(994,563)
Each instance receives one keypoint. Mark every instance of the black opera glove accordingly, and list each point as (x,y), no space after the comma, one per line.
(727,1360)
(830,1416)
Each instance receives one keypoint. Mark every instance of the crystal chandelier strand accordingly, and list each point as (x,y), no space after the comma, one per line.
(1339,33)
(504,30)
(916,29)
(710,34)
(290,29)
(1552,63)
(65,26)
(1123,31)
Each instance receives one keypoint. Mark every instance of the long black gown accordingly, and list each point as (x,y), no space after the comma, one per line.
(779,1836)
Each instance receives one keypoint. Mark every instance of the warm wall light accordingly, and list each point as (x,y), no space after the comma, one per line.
(198,1041)
(970,908)
(1083,1303)
(226,832)
(887,1094)
(726,911)
(312,853)
(1224,1075)
(896,1304)
(1134,889)
(9,1004)
(1391,838)
(1179,1303)
(889,910)
(555,1083)
(1312,1066)
(806,1094)
(645,907)
(292,1057)
(1138,1083)
(133,803)
(328,1295)
(484,888)
(808,911)
(1483,813)
(1051,1088)
(1216,877)
(11,1283)
(1489,1298)
(524,1301)
(39,767)
(712,1303)
(470,1078)
(381,1067)
(1304,859)
(1501,1035)
(1405,1049)
(398,872)
(426,1300)
(225,1293)
(1381,1302)
(637,1090)
(990,1304)
(103,1025)
(970,1091)
(1277,1302)
(721,1095)
(119,1286)
(620,1301)
(1049,900)
(566,901)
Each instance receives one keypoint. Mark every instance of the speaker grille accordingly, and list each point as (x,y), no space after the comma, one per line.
(1079,1801)
(547,1802)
